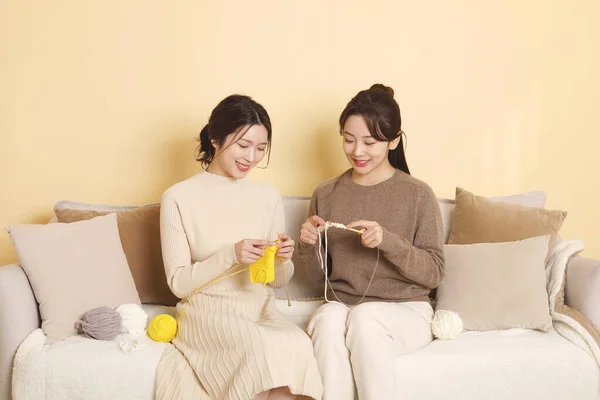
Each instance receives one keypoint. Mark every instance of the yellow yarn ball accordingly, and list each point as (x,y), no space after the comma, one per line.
(162,328)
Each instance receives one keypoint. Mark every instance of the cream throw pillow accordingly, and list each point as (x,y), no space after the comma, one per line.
(139,229)
(73,268)
(494,286)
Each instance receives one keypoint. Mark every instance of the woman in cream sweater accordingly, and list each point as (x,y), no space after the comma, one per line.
(231,335)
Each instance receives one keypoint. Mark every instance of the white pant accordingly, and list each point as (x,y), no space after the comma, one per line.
(364,341)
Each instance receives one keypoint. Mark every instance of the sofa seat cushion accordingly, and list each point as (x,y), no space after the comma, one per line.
(510,364)
(83,368)
(515,364)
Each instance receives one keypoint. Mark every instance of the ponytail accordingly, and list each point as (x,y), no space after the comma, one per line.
(205,151)
(397,157)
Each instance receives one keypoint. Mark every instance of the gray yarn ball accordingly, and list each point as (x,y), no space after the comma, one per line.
(102,323)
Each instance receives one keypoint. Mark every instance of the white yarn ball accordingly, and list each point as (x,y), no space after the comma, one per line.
(134,319)
(446,325)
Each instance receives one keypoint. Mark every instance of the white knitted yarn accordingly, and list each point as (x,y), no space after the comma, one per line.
(333,225)
(134,319)
(446,325)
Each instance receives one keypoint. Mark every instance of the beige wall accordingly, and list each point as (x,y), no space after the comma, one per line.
(101,101)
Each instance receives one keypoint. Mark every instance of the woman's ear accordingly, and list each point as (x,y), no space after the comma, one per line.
(394,143)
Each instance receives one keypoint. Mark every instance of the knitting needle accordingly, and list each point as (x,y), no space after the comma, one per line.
(354,230)
(341,226)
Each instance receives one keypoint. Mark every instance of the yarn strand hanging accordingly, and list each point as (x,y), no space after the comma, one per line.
(323,262)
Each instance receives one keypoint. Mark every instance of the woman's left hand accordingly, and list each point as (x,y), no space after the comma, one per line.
(285,249)
(372,235)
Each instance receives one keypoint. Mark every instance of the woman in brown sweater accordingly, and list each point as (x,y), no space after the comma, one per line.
(377,282)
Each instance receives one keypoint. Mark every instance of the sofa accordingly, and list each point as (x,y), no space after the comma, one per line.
(515,363)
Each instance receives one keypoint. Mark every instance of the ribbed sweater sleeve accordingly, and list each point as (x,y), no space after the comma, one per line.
(423,260)
(183,276)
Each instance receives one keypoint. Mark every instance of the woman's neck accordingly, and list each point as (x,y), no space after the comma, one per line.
(215,169)
(382,173)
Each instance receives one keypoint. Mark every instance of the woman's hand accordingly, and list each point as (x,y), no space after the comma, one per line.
(285,249)
(248,251)
(309,232)
(372,235)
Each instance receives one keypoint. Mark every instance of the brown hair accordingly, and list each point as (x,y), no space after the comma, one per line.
(382,116)
(231,115)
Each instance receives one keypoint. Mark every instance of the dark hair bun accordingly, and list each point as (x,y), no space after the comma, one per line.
(378,87)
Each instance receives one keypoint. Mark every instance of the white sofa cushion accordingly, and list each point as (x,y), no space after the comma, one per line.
(498,365)
(83,368)
(510,364)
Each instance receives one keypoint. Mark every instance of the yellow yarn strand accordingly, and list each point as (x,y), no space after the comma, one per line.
(217,279)
(287,292)
(163,327)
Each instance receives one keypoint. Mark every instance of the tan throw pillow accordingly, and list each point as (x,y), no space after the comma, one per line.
(480,220)
(530,199)
(495,286)
(72,269)
(139,230)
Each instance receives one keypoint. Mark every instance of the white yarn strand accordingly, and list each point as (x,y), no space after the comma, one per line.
(323,264)
(445,325)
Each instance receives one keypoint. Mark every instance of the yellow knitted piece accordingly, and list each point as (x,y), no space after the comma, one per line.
(263,270)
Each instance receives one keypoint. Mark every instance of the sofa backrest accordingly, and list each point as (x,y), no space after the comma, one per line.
(296,212)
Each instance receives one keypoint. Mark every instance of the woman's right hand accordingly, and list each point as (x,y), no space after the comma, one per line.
(309,233)
(248,251)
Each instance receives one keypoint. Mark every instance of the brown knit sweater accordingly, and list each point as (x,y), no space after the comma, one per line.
(411,255)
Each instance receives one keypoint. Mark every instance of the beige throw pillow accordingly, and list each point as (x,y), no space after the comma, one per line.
(72,269)
(495,286)
(480,220)
(139,229)
(531,199)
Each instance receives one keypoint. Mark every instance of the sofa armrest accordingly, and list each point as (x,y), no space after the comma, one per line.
(18,318)
(582,288)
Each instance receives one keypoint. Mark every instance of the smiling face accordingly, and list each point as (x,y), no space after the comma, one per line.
(368,157)
(240,152)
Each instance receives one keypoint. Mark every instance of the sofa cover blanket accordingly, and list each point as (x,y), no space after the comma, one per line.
(562,363)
